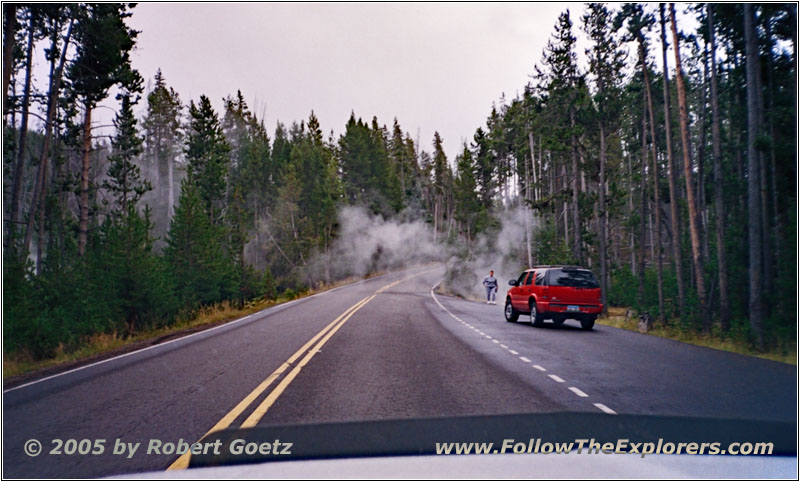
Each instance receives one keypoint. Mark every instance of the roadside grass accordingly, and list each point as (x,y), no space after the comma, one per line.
(104,345)
(786,353)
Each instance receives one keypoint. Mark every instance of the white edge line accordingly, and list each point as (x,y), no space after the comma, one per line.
(283,305)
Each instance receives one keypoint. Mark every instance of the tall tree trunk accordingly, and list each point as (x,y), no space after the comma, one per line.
(701,155)
(525,211)
(83,223)
(9,33)
(603,219)
(656,188)
(766,244)
(630,214)
(694,228)
(776,215)
(719,202)
(170,187)
(40,230)
(19,166)
(532,145)
(643,207)
(791,10)
(576,213)
(673,189)
(753,182)
(52,106)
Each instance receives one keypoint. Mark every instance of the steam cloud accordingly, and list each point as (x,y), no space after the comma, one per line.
(502,250)
(369,243)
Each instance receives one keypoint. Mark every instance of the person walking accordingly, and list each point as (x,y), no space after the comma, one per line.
(490,282)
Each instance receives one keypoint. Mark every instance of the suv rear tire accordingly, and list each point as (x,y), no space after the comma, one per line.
(512,315)
(588,322)
(536,318)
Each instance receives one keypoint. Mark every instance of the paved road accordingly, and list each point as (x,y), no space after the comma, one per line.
(384,348)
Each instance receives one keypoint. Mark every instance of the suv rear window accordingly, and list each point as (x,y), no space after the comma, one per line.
(576,278)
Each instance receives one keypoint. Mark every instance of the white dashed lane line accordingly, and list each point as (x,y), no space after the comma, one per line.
(577,391)
(605,409)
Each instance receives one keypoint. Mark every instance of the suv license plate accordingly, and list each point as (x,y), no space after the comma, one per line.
(573,308)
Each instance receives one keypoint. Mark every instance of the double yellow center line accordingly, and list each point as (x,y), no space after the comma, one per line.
(311,348)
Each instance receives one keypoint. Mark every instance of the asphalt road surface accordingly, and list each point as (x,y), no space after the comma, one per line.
(384,348)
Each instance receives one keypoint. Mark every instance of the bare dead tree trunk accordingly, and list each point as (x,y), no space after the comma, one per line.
(694,229)
(719,206)
(673,189)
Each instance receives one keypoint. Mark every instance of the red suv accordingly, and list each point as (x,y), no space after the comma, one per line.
(557,293)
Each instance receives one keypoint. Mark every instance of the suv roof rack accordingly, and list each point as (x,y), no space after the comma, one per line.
(562,266)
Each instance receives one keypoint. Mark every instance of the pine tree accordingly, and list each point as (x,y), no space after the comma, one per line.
(134,277)
(200,269)
(251,160)
(124,177)
(97,67)
(561,86)
(208,157)
(468,207)
(163,138)
(368,175)
(606,63)
(485,171)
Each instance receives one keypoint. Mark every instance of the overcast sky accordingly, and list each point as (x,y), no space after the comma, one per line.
(433,66)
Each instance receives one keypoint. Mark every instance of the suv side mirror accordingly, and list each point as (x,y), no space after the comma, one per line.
(512,282)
